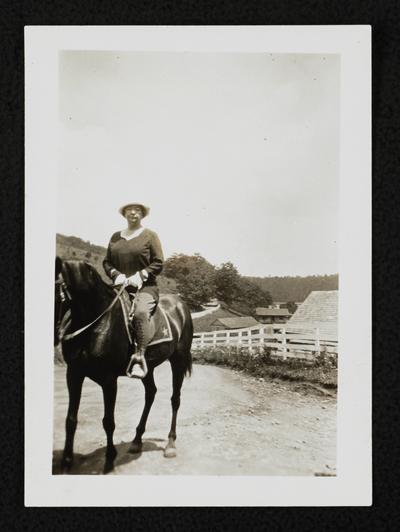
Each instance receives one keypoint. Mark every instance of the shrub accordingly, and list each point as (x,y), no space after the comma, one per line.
(261,363)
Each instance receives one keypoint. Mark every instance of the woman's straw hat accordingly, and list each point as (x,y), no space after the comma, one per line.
(145,209)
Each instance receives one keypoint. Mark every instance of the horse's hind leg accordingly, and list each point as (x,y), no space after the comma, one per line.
(149,394)
(109,396)
(74,383)
(177,378)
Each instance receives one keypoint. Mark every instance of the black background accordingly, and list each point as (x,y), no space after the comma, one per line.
(383,16)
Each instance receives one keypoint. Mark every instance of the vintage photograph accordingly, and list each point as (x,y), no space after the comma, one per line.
(198,258)
(197,229)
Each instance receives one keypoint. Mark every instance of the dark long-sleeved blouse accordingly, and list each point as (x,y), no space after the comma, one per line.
(142,253)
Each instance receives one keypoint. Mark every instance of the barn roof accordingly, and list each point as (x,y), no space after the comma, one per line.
(262,311)
(203,324)
(320,309)
(236,323)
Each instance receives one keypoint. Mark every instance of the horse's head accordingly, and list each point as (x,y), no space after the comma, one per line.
(80,289)
(75,281)
(59,299)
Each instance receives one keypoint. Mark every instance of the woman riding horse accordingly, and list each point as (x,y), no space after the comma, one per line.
(134,258)
(95,344)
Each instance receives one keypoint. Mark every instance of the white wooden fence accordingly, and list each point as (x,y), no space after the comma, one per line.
(285,341)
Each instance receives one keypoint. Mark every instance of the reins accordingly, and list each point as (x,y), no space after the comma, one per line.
(69,336)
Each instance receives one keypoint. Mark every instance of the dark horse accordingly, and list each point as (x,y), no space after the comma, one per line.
(102,351)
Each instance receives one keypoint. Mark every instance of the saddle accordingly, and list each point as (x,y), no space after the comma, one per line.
(159,322)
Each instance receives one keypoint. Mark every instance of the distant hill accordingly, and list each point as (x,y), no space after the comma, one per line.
(295,288)
(72,247)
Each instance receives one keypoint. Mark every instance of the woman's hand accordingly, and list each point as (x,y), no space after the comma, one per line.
(135,280)
(120,279)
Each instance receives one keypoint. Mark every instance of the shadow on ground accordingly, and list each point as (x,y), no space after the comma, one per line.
(93,463)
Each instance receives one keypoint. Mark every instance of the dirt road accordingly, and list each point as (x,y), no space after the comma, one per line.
(229,424)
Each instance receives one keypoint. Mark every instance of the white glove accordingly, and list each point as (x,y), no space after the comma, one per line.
(120,279)
(135,280)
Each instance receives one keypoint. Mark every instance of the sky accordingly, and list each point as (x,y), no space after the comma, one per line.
(236,154)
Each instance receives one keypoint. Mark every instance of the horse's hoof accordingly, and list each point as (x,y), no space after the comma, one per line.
(66,465)
(108,467)
(169,452)
(135,448)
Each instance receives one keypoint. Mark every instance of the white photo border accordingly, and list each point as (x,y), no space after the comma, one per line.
(353,484)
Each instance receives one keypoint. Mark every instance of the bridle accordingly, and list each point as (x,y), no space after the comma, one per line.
(65,296)
(64,292)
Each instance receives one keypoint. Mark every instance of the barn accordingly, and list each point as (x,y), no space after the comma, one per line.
(272,315)
(320,309)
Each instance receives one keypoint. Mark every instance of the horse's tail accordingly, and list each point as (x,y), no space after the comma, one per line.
(188,364)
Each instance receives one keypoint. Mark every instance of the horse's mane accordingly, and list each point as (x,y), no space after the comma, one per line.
(98,278)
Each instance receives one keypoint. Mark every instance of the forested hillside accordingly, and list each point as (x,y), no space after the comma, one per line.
(295,288)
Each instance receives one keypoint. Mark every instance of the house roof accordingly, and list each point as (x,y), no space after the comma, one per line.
(261,311)
(236,323)
(320,309)
(203,324)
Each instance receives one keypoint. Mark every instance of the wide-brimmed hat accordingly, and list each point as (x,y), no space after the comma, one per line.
(145,209)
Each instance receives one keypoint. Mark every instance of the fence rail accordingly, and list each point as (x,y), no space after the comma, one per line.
(285,341)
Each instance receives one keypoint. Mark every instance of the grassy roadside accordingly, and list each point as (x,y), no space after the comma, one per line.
(321,372)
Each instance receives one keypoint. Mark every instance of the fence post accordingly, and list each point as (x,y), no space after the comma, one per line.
(317,342)
(262,338)
(284,342)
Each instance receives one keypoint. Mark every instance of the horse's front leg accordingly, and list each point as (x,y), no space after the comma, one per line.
(149,394)
(109,397)
(74,383)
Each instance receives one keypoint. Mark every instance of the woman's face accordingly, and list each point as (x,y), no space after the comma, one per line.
(133,214)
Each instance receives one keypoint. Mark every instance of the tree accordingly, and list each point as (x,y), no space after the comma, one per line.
(250,296)
(227,282)
(291,306)
(178,265)
(194,276)
(196,288)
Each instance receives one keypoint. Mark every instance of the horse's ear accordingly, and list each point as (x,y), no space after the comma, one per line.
(58,265)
